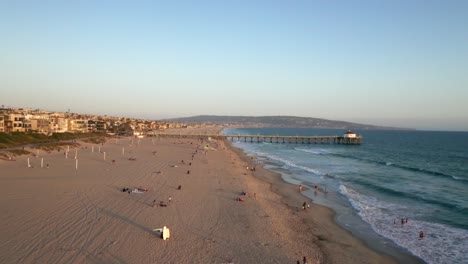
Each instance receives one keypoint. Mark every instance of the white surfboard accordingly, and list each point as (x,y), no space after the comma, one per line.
(165,232)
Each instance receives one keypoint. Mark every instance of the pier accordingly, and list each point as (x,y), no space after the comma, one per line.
(343,140)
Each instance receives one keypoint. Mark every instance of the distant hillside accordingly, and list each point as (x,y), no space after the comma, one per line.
(277,121)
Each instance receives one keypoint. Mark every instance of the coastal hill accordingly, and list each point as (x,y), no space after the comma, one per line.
(278,121)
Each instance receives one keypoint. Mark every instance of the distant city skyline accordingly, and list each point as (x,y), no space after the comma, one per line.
(390,63)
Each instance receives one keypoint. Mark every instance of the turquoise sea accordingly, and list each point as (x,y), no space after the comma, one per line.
(419,175)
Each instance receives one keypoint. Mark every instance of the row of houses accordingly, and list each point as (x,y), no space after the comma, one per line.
(25,120)
(49,124)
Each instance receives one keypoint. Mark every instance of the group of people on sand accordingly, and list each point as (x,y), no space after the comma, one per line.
(130,190)
(161,203)
(240,199)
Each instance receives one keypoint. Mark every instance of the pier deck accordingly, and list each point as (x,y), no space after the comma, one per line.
(274,139)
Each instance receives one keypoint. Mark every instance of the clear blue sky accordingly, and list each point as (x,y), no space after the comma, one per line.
(398,63)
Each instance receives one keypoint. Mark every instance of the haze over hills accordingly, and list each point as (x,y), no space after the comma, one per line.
(279,121)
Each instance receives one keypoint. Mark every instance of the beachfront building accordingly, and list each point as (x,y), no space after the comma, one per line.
(77,125)
(58,124)
(91,125)
(349,134)
(101,126)
(26,125)
(40,125)
(2,124)
(14,123)
(140,126)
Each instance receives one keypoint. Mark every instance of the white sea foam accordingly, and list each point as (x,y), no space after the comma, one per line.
(442,244)
(287,162)
(314,151)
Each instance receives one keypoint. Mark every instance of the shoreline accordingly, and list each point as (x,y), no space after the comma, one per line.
(275,178)
(394,252)
(337,244)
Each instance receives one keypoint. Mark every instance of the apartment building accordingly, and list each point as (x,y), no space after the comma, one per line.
(101,126)
(58,124)
(77,125)
(40,125)
(13,123)
(2,124)
(27,125)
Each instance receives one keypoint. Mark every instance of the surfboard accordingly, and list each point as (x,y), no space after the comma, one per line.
(165,232)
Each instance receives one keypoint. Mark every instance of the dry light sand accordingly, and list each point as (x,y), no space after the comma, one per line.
(62,215)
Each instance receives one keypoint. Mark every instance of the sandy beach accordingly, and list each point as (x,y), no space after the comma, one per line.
(61,214)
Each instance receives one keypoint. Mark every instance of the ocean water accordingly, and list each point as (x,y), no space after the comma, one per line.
(419,175)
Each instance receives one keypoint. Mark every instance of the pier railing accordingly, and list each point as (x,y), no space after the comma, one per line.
(274,139)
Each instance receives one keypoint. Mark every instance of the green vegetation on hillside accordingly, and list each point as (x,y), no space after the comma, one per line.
(16,139)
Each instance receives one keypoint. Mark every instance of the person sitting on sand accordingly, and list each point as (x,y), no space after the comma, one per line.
(162,204)
(239,199)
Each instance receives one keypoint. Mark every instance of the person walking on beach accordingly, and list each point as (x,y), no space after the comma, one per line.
(300,187)
(304,206)
(170,199)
